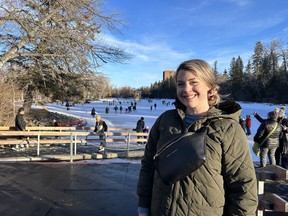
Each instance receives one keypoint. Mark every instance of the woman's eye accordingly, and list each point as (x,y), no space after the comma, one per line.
(193,83)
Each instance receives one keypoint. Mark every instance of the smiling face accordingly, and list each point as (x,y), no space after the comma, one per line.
(192,92)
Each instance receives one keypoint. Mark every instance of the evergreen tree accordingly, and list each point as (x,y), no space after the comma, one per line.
(258,58)
(248,68)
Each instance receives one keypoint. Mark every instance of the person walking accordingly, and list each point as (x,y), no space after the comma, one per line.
(140,127)
(101,127)
(107,109)
(242,123)
(225,184)
(20,125)
(248,123)
(93,112)
(270,133)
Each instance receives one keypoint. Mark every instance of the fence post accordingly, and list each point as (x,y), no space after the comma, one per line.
(75,144)
(38,144)
(128,142)
(71,147)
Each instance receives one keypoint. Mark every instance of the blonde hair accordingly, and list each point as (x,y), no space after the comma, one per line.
(203,71)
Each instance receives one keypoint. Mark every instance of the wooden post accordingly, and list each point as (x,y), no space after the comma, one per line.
(71,147)
(75,144)
(38,144)
(128,142)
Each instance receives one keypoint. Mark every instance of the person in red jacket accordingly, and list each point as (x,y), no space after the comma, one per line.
(248,125)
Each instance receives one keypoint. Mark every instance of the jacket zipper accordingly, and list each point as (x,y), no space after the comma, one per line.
(167,146)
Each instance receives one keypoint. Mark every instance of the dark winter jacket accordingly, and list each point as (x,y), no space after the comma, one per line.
(93,111)
(224,185)
(101,126)
(140,125)
(264,129)
(20,123)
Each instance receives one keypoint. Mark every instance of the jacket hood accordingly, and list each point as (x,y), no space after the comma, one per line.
(229,109)
(225,109)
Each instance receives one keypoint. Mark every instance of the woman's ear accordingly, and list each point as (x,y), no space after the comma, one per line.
(211,92)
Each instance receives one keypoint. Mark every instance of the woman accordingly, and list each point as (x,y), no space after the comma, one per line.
(101,127)
(226,183)
(270,133)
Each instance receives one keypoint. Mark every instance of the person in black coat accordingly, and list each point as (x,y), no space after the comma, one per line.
(272,142)
(20,123)
(282,120)
(93,112)
(140,127)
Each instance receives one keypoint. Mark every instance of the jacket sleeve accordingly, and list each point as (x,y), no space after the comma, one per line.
(145,181)
(239,174)
(258,117)
(105,126)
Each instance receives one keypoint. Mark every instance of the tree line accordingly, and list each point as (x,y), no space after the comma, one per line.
(263,79)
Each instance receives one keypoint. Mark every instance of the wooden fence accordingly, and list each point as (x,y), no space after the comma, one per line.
(271,202)
(70,135)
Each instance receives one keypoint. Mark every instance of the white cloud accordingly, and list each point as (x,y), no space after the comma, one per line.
(151,59)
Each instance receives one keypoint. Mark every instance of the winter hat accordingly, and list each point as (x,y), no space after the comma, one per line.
(276,110)
(282,111)
(273,115)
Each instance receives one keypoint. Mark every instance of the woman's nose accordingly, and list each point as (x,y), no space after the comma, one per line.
(186,88)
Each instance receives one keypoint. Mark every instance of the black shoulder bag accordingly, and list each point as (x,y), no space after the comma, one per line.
(181,156)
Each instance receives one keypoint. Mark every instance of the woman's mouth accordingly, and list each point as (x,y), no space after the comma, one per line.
(189,96)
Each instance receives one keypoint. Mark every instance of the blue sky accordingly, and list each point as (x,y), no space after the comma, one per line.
(160,34)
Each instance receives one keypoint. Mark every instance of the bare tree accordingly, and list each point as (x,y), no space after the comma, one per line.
(52,37)
(283,52)
(272,50)
(126,91)
(96,86)
(9,96)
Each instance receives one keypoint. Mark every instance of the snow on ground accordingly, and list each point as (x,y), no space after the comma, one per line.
(129,119)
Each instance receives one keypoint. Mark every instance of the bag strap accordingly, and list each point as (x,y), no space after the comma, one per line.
(269,134)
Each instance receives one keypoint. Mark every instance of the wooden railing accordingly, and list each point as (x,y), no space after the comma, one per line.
(271,202)
(70,135)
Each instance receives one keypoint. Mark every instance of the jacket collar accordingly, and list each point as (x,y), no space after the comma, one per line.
(226,109)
